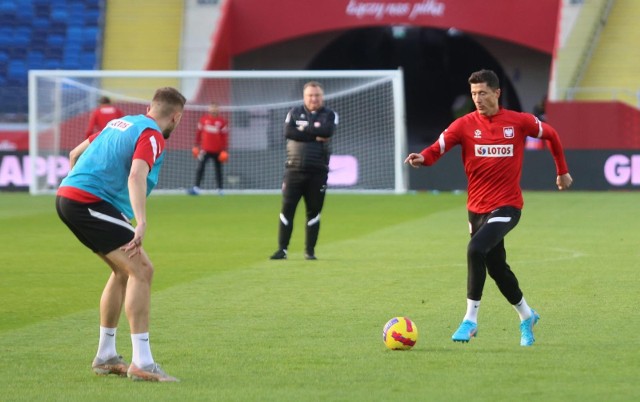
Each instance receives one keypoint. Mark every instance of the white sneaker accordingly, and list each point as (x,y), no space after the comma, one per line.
(152,372)
(115,365)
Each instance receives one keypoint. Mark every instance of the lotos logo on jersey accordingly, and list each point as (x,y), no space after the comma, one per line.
(119,124)
(494,151)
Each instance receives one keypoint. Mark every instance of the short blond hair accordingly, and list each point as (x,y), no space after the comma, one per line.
(168,100)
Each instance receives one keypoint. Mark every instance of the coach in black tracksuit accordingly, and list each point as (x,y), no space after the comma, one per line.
(308,130)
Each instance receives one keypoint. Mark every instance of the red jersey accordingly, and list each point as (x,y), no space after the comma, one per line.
(213,134)
(101,116)
(492,154)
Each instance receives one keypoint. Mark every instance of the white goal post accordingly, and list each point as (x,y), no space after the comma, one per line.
(367,150)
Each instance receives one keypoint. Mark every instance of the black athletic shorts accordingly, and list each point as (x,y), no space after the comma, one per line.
(98,225)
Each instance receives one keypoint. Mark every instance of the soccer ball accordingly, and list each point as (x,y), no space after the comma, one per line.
(400,333)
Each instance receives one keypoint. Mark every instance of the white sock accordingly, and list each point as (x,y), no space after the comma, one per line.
(472,310)
(523,309)
(141,350)
(107,343)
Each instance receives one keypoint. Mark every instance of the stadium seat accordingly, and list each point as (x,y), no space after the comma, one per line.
(41,23)
(75,35)
(24,16)
(92,17)
(71,52)
(57,27)
(90,37)
(17,71)
(44,34)
(35,59)
(59,14)
(88,60)
(55,40)
(4,61)
(53,53)
(8,7)
(22,37)
(41,11)
(6,37)
(17,52)
(52,64)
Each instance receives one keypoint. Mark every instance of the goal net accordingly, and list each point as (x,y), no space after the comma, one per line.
(367,148)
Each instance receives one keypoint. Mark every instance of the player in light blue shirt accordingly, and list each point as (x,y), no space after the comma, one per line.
(112,173)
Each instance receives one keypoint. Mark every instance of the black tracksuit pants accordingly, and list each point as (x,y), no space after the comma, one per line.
(486,253)
(311,187)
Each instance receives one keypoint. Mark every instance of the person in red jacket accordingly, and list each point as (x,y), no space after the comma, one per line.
(493,143)
(103,114)
(212,142)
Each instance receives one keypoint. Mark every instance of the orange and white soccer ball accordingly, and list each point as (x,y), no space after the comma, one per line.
(400,333)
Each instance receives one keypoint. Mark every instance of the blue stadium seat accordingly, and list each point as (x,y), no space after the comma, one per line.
(90,37)
(17,52)
(35,59)
(92,17)
(53,53)
(7,20)
(6,37)
(8,7)
(88,60)
(44,34)
(52,64)
(39,39)
(55,40)
(4,61)
(41,23)
(57,27)
(71,50)
(76,14)
(75,35)
(17,71)
(42,11)
(24,14)
(22,37)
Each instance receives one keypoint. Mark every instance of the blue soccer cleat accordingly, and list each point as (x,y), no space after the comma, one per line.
(526,329)
(465,332)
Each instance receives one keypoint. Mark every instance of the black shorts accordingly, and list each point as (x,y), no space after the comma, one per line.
(98,225)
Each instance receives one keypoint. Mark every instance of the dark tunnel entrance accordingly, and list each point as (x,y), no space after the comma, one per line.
(436,65)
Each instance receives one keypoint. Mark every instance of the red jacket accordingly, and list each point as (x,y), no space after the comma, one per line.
(102,115)
(213,134)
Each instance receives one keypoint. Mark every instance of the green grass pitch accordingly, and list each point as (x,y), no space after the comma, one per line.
(235,326)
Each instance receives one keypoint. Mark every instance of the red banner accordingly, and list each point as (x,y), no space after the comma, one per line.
(249,24)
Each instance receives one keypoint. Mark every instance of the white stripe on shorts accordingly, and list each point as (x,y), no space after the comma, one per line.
(107,218)
(499,219)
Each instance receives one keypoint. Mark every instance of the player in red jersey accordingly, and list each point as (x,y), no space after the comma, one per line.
(103,114)
(212,142)
(493,142)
